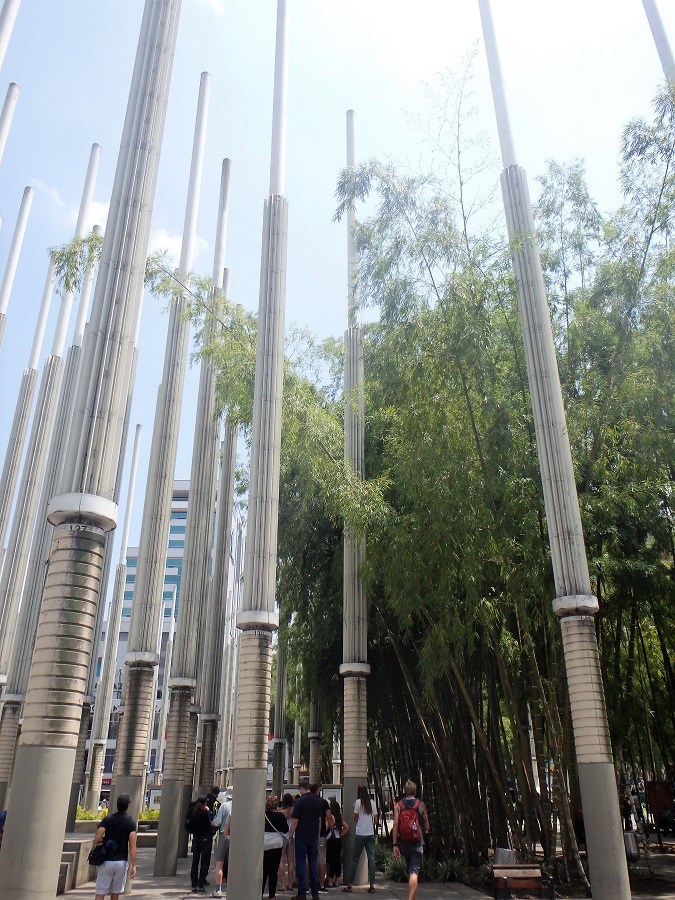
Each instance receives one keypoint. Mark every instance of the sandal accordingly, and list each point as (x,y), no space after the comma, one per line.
(347,890)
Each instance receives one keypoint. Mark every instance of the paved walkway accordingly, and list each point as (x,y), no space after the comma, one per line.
(149,887)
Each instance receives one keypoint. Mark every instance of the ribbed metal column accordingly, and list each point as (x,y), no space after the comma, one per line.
(9,733)
(209,687)
(574,602)
(279,751)
(33,472)
(314,736)
(102,707)
(227,702)
(257,618)
(354,668)
(142,657)
(192,618)
(166,692)
(13,258)
(66,629)
(19,666)
(17,437)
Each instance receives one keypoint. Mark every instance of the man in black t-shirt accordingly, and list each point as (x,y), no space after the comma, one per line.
(118,833)
(304,832)
(326,825)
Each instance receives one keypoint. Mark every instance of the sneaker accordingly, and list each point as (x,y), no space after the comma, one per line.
(195,890)
(217,893)
(324,889)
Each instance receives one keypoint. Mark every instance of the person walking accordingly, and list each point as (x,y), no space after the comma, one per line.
(304,832)
(411,823)
(365,816)
(119,833)
(221,822)
(276,829)
(334,844)
(202,837)
(287,852)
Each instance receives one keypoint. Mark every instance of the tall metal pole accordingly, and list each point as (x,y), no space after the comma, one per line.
(229,658)
(19,666)
(279,750)
(574,604)
(13,256)
(47,747)
(190,624)
(32,475)
(314,736)
(660,39)
(17,436)
(104,693)
(7,18)
(146,613)
(257,618)
(7,115)
(166,692)
(355,668)
(209,687)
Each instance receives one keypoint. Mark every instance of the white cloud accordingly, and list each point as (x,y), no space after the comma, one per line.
(161,239)
(65,214)
(216,6)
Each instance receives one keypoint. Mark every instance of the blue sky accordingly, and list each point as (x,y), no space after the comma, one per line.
(575,72)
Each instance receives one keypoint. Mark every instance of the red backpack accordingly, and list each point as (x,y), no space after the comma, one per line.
(409,830)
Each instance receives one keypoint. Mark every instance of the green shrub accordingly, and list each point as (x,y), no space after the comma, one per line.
(84,814)
(149,815)
(396,869)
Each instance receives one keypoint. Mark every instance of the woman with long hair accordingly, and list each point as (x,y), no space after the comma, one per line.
(287,852)
(365,816)
(334,844)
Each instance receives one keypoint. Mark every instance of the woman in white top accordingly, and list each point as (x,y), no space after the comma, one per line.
(365,816)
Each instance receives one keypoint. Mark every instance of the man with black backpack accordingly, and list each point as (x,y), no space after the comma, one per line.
(411,823)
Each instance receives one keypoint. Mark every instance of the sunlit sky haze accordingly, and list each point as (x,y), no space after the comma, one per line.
(575,72)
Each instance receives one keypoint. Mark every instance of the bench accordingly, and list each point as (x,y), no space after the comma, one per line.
(516,877)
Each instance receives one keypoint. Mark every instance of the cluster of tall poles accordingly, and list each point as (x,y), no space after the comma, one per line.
(54,571)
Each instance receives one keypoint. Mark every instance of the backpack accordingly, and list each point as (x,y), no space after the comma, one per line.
(409,830)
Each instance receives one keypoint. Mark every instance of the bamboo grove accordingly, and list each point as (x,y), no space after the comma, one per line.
(467,693)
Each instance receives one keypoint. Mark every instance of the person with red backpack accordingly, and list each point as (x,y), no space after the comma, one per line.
(411,823)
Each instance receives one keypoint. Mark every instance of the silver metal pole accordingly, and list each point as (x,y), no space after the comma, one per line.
(355,668)
(104,692)
(660,39)
(257,618)
(166,693)
(142,658)
(7,18)
(32,475)
(17,438)
(574,604)
(45,758)
(7,115)
(13,257)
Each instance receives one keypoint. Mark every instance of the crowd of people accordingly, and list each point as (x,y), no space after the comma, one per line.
(302,844)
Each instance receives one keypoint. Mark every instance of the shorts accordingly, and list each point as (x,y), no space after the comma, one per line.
(321,858)
(412,853)
(222,849)
(111,877)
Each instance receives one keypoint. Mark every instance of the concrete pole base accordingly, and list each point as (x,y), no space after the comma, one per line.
(183,837)
(9,730)
(134,785)
(246,841)
(27,872)
(171,816)
(604,837)
(93,794)
(349,790)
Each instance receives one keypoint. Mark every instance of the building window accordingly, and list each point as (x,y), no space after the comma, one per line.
(177,529)
(178,514)
(126,612)
(176,545)
(131,579)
